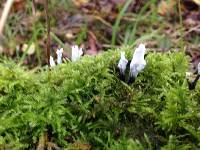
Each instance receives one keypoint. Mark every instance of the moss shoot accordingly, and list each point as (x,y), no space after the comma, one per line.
(84,104)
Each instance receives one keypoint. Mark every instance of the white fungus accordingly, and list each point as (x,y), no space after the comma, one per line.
(122,63)
(52,63)
(198,68)
(138,62)
(59,55)
(76,53)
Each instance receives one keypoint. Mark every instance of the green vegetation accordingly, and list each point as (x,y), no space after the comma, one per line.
(85,102)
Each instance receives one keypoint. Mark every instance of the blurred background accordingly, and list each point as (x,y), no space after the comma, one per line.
(99,25)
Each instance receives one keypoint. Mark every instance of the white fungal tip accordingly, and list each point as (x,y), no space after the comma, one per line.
(76,52)
(142,46)
(52,63)
(138,62)
(198,68)
(59,55)
(122,63)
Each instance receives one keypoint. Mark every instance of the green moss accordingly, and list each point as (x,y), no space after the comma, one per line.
(85,101)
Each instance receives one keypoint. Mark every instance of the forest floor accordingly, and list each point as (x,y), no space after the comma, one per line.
(99,25)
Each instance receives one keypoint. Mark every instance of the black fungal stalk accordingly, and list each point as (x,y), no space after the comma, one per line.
(122,76)
(131,80)
(192,84)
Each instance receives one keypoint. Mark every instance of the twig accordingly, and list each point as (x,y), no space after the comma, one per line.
(33,7)
(102,20)
(48,32)
(5,15)
(196,28)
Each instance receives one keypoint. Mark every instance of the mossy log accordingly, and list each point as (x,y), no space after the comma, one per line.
(85,103)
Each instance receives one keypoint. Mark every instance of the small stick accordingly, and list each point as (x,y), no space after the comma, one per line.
(33,7)
(48,32)
(5,15)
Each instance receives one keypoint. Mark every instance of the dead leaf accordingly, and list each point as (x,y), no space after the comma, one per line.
(69,35)
(79,146)
(53,146)
(29,49)
(42,141)
(79,3)
(197,2)
(166,7)
(92,43)
(192,19)
(19,5)
(118,1)
(30,20)
(1,44)
(1,49)
(39,1)
(97,99)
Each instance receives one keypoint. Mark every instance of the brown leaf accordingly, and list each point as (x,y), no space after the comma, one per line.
(79,146)
(42,141)
(28,21)
(166,7)
(29,49)
(197,2)
(79,3)
(39,1)
(19,5)
(192,18)
(118,1)
(92,44)
(189,5)
(52,146)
